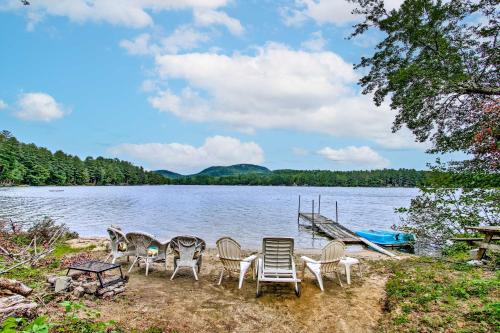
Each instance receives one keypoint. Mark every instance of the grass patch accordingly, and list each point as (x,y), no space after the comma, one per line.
(429,295)
(62,249)
(35,277)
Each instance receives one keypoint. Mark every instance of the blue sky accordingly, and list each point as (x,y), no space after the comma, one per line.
(185,84)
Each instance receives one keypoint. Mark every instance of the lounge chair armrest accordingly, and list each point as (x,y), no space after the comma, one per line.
(250,258)
(307,259)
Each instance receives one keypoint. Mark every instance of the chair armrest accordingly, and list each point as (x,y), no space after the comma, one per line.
(307,259)
(250,258)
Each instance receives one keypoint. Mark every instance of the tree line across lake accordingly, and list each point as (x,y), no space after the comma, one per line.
(27,164)
(373,178)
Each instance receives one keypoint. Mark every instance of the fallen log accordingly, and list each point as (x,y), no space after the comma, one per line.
(6,302)
(19,310)
(15,286)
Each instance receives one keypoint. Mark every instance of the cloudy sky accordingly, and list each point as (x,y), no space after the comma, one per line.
(186,84)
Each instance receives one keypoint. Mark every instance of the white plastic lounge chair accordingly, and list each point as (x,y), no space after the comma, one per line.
(147,249)
(331,255)
(276,264)
(120,246)
(188,252)
(232,261)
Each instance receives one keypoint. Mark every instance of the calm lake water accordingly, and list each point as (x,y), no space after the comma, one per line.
(245,213)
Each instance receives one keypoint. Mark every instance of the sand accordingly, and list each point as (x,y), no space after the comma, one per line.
(186,305)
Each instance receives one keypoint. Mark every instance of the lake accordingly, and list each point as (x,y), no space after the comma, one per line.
(246,213)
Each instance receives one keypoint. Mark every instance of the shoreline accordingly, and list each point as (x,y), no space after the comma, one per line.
(186,185)
(101,243)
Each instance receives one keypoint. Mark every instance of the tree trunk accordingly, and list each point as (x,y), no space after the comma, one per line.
(15,286)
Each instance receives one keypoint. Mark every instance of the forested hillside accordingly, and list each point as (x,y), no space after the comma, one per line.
(29,164)
(373,178)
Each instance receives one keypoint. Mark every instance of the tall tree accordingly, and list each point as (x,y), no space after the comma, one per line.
(438,66)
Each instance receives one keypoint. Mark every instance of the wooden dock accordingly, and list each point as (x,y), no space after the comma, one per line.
(335,230)
(331,228)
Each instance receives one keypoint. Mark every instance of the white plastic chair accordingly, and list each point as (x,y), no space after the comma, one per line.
(188,252)
(120,246)
(331,255)
(147,249)
(232,261)
(348,262)
(277,264)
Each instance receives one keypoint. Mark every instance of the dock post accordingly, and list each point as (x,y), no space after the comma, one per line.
(313,227)
(298,214)
(319,204)
(336,213)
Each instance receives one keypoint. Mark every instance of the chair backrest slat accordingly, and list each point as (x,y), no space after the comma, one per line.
(228,248)
(331,255)
(277,253)
(187,247)
(142,241)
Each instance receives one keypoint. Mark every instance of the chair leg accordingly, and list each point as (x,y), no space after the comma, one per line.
(132,266)
(360,272)
(320,281)
(175,272)
(109,256)
(114,260)
(195,268)
(147,266)
(338,278)
(242,276)
(348,273)
(221,275)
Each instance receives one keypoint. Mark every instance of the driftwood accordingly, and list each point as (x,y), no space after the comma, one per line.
(31,253)
(15,286)
(17,306)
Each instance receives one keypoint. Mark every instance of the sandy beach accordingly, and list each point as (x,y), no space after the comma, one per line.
(186,305)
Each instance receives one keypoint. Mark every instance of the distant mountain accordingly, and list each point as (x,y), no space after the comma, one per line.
(220,171)
(233,170)
(169,174)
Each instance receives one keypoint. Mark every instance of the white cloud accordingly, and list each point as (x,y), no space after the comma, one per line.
(357,157)
(208,17)
(216,150)
(316,43)
(183,38)
(140,45)
(276,88)
(3,105)
(297,151)
(130,13)
(338,12)
(149,86)
(38,107)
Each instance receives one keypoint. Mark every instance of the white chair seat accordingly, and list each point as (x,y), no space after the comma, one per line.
(347,262)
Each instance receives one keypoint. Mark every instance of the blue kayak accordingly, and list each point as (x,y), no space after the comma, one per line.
(386,237)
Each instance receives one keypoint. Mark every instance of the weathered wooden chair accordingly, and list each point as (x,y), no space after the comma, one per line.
(232,260)
(331,255)
(120,246)
(147,249)
(277,264)
(188,251)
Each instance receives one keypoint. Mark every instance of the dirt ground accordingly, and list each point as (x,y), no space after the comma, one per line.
(185,305)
